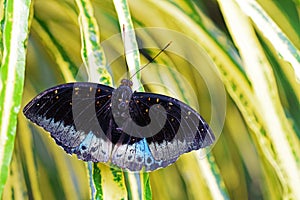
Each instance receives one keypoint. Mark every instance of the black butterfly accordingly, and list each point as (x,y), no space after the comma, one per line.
(132,130)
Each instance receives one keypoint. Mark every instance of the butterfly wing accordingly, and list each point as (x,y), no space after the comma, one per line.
(181,130)
(78,117)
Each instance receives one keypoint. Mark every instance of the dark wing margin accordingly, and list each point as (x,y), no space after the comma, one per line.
(72,113)
(183,131)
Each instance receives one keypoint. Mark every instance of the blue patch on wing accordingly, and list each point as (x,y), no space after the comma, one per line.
(137,157)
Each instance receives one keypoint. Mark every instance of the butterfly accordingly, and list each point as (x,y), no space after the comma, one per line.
(131,130)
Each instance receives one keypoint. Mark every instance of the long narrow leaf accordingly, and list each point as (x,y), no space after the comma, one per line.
(107,182)
(92,53)
(284,152)
(285,48)
(15,34)
(138,184)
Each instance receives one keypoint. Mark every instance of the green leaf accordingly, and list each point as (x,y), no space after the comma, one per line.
(138,186)
(92,53)
(14,36)
(109,182)
(284,152)
(98,71)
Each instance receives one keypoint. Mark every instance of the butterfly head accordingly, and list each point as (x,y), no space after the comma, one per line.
(126,82)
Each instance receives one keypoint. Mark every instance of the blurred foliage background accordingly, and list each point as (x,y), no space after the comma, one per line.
(250,48)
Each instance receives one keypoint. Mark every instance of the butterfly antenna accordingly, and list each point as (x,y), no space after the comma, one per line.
(124,40)
(152,59)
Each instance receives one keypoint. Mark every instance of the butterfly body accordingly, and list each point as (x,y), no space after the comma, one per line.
(132,130)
